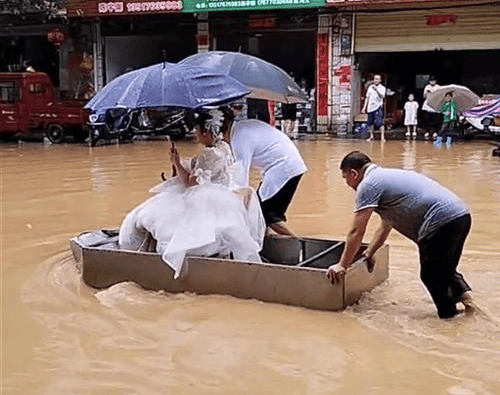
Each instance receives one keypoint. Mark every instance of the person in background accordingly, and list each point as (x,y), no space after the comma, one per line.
(374,106)
(427,213)
(411,109)
(430,115)
(289,113)
(258,144)
(450,116)
(258,109)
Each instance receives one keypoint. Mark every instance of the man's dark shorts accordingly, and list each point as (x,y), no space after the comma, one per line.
(376,118)
(275,207)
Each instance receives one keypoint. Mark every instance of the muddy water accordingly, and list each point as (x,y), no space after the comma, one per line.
(61,337)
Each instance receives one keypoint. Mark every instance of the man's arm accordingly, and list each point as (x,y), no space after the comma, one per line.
(378,240)
(426,91)
(353,242)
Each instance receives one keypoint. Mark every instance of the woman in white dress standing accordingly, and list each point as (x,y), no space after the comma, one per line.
(203,210)
(411,109)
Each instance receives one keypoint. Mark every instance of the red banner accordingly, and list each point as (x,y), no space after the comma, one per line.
(322,76)
(261,22)
(434,20)
(344,72)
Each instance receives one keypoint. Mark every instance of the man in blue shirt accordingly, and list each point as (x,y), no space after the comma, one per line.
(420,209)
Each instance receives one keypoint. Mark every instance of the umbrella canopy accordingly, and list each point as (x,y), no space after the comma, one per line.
(167,84)
(265,80)
(462,95)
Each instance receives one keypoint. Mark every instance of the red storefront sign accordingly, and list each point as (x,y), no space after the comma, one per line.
(261,22)
(322,76)
(81,8)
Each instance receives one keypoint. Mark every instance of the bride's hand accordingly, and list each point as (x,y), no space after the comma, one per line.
(174,156)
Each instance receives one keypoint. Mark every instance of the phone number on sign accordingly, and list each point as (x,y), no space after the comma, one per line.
(143,6)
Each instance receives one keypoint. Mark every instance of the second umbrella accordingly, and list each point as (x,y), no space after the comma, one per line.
(264,79)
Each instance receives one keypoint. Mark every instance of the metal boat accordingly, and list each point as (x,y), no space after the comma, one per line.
(293,271)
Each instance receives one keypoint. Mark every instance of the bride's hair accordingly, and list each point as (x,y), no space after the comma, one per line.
(212,119)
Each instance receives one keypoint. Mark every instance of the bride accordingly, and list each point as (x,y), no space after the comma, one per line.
(202,210)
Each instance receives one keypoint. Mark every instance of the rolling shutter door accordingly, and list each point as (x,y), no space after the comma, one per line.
(474,28)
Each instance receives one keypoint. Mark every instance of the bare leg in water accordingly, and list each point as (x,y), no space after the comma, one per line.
(468,302)
(472,307)
(281,228)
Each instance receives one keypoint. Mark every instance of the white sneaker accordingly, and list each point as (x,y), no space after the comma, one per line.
(434,135)
(414,135)
(407,134)
(426,135)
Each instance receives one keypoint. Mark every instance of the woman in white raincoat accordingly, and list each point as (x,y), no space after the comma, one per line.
(203,210)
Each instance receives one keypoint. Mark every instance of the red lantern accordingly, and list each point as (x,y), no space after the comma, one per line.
(56,36)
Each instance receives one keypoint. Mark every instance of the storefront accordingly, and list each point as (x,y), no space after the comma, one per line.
(129,34)
(407,41)
(286,38)
(282,32)
(126,35)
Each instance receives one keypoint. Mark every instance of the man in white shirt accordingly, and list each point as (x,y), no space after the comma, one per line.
(374,106)
(256,143)
(430,115)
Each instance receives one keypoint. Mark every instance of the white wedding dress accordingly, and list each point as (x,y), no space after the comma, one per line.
(217,216)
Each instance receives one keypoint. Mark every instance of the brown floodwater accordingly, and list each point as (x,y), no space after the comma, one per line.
(60,336)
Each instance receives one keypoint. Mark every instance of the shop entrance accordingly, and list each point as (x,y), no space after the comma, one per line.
(408,72)
(289,44)
(147,41)
(293,51)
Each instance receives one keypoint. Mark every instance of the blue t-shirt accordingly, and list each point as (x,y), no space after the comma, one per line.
(410,202)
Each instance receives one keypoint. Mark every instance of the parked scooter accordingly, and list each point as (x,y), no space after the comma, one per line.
(113,123)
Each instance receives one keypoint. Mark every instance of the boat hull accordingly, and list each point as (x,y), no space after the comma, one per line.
(281,281)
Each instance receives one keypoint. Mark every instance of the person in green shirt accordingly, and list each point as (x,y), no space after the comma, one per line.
(450,116)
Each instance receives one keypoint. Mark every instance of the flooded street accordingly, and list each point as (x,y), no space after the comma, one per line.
(60,336)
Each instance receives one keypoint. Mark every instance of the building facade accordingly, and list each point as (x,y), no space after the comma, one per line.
(335,46)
